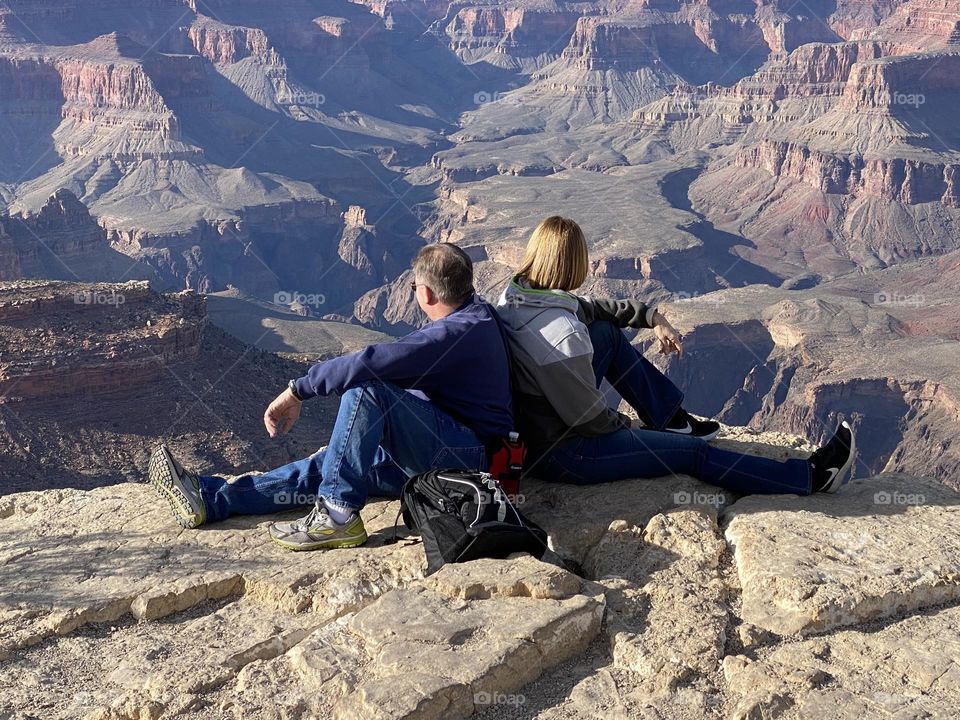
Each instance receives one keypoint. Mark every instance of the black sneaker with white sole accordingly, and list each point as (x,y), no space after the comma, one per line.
(683,423)
(830,465)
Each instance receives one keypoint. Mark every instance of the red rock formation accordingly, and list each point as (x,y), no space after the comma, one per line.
(916,26)
(816,68)
(901,81)
(852,18)
(600,43)
(896,179)
(816,71)
(227,44)
(39,321)
(126,94)
(509,35)
(94,374)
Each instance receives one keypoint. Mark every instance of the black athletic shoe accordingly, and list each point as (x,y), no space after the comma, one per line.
(179,487)
(830,465)
(683,423)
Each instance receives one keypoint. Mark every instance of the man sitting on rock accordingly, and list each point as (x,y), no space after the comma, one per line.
(434,398)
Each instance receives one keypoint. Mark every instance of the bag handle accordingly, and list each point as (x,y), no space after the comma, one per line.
(487,478)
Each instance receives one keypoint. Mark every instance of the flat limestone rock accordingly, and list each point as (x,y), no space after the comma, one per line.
(110,611)
(909,669)
(135,669)
(71,558)
(425,652)
(880,548)
(578,516)
(486,578)
(668,611)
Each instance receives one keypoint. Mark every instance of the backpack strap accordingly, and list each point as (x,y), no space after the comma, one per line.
(393,539)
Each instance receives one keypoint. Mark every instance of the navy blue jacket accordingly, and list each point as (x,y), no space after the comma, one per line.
(458,362)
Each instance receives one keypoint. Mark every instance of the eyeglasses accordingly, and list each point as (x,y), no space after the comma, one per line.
(413,286)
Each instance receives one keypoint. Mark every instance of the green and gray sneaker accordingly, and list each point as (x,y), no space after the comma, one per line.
(178,487)
(319,531)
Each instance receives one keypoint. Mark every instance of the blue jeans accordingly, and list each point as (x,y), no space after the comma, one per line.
(636,379)
(647,453)
(382,436)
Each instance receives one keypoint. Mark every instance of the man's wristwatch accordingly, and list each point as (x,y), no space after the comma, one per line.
(292,387)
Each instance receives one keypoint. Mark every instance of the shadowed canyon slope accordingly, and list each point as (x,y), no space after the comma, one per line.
(290,161)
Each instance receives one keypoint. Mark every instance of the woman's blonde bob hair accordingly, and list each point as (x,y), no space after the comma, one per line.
(556,257)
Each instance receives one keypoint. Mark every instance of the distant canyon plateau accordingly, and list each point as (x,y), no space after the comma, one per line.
(213,182)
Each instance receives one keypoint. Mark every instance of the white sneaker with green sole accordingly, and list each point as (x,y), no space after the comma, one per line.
(319,531)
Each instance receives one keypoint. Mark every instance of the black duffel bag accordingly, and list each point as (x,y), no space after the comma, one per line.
(463,515)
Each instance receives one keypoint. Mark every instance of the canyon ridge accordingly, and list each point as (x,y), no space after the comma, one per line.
(780,176)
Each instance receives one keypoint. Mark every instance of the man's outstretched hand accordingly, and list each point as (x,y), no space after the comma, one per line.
(282,413)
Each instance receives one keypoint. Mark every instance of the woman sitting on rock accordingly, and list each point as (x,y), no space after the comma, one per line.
(564,345)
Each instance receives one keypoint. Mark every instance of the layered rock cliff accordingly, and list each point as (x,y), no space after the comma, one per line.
(898,180)
(91,374)
(61,232)
(40,322)
(701,145)
(916,26)
(525,36)
(62,241)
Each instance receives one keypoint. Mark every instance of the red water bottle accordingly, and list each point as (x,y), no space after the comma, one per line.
(507,464)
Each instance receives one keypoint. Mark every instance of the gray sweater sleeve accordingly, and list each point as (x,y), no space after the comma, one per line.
(622,313)
(568,384)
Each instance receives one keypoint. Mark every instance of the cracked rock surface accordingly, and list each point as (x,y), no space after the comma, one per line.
(659,599)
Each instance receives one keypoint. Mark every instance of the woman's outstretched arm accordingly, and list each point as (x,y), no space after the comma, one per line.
(622,313)
(635,314)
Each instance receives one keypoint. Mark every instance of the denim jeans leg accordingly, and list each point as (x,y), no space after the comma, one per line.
(413,432)
(279,489)
(640,453)
(636,379)
(386,478)
(295,484)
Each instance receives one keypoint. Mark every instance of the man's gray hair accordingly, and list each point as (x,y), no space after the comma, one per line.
(447,270)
